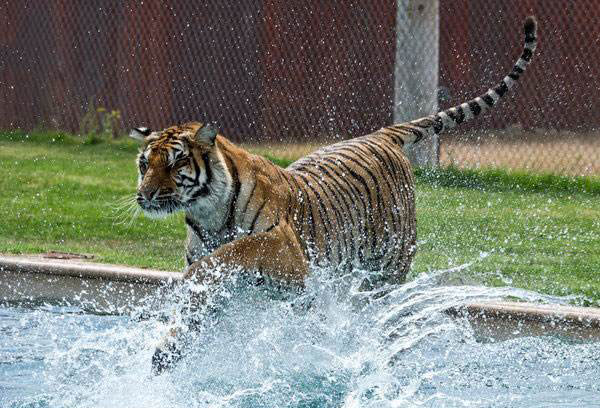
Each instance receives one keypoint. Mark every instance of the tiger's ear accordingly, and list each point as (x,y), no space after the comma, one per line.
(206,135)
(139,133)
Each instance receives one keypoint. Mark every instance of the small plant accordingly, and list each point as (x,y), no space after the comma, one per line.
(109,122)
(99,124)
(88,125)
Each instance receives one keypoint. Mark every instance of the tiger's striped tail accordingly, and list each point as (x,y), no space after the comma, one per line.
(412,132)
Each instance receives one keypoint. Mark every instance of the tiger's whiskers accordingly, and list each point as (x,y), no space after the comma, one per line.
(126,210)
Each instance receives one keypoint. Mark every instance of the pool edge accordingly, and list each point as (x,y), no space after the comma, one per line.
(85,270)
(547,317)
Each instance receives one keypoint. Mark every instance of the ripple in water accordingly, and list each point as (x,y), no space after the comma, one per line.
(332,346)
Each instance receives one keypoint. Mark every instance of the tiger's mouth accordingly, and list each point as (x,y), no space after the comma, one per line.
(158,208)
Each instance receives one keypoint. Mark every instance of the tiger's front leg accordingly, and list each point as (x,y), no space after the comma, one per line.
(276,254)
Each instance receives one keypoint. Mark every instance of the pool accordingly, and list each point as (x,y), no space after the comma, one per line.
(332,346)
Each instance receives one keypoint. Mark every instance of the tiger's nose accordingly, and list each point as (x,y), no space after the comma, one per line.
(148,193)
(153,193)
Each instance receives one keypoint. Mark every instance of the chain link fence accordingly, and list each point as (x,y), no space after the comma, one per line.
(550,122)
(307,72)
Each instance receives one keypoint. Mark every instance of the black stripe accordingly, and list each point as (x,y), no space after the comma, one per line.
(373,150)
(514,76)
(209,175)
(353,190)
(145,132)
(394,134)
(390,171)
(322,212)
(438,124)
(450,114)
(429,122)
(201,234)
(350,148)
(337,179)
(408,195)
(501,89)
(357,193)
(183,177)
(229,224)
(300,200)
(475,108)
(386,151)
(489,101)
(340,238)
(517,69)
(379,152)
(243,212)
(312,216)
(460,114)
(204,190)
(339,198)
(290,196)
(527,54)
(375,183)
(393,174)
(312,231)
(416,132)
(258,212)
(529,25)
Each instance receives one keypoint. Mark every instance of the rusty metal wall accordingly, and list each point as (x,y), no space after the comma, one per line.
(276,70)
(155,62)
(262,70)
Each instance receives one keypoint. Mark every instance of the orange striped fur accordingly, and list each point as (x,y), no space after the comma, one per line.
(350,205)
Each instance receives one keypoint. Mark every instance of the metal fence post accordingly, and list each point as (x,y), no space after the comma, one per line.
(416,71)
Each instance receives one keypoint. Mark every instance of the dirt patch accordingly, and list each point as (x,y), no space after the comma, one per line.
(66,255)
(543,150)
(574,154)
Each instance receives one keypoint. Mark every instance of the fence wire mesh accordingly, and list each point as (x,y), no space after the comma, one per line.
(306,72)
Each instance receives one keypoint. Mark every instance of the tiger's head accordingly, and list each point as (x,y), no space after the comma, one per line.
(180,168)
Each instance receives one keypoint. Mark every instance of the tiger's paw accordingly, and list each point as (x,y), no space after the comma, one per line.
(165,357)
(169,351)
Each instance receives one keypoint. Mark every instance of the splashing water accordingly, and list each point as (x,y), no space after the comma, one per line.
(331,346)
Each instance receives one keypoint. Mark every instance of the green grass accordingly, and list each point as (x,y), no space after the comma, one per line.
(502,180)
(540,232)
(278,161)
(65,196)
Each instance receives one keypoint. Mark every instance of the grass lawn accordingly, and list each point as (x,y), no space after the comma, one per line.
(535,232)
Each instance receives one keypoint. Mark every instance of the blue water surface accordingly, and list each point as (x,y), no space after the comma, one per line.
(331,346)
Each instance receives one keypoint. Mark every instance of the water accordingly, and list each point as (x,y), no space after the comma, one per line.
(332,346)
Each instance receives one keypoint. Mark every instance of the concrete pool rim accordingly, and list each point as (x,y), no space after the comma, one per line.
(548,315)
(81,268)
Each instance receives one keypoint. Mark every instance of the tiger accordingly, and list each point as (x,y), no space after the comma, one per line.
(349,205)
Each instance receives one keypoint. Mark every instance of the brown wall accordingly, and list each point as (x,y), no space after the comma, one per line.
(271,69)
(281,70)
(328,67)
